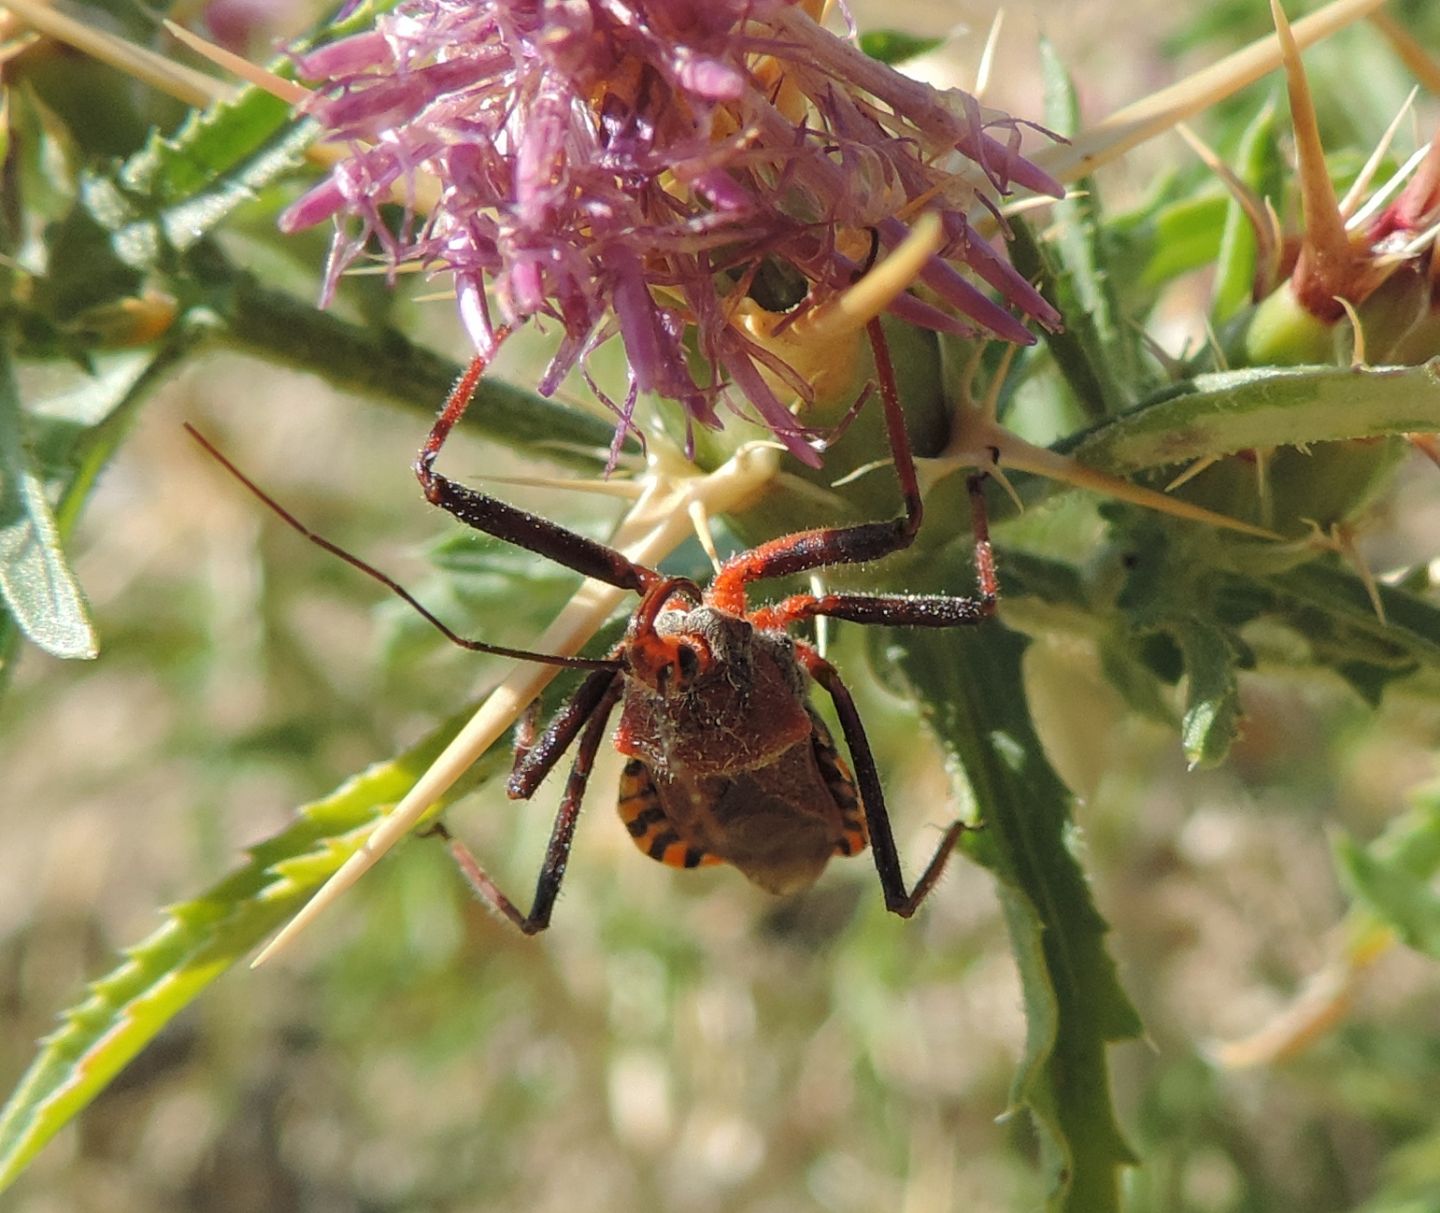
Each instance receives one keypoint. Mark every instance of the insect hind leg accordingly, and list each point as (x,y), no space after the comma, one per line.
(562,835)
(898,900)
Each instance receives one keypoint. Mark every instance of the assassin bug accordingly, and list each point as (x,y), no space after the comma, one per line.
(727,762)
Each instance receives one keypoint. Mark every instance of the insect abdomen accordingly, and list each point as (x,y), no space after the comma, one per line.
(649,826)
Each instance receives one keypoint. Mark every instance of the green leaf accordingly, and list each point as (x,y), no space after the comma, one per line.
(1085,288)
(161,202)
(1122,660)
(1212,700)
(1076,346)
(1187,237)
(82,270)
(177,190)
(213,145)
(1331,607)
(36,583)
(1394,877)
(79,428)
(202,938)
(1231,411)
(1051,581)
(970,689)
(892,47)
(1259,166)
(219,160)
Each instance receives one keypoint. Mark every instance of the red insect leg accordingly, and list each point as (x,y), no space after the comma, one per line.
(903,610)
(814,549)
(495,517)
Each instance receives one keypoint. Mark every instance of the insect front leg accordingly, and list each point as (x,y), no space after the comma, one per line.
(877,819)
(562,835)
(904,610)
(813,549)
(504,521)
(536,759)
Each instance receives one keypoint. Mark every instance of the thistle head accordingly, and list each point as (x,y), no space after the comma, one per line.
(643,168)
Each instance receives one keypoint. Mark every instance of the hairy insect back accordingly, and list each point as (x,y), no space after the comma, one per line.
(741,713)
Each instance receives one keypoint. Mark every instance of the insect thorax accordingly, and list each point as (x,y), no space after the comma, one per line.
(741,712)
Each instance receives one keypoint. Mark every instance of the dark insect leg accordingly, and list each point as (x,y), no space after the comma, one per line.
(527,728)
(535,761)
(806,550)
(877,819)
(495,517)
(897,610)
(557,853)
(475,646)
(904,610)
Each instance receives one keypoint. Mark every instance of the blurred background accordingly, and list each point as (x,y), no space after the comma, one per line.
(677,1041)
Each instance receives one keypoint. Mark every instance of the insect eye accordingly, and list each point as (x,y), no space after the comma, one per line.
(688,662)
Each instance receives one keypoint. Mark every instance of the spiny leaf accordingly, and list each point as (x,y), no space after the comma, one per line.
(36,583)
(214,146)
(203,937)
(1260,167)
(176,190)
(969,688)
(1331,606)
(1086,286)
(83,428)
(1394,876)
(1075,347)
(1212,702)
(1123,660)
(1219,414)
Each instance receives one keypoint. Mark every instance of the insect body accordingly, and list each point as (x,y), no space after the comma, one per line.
(727,760)
(728,763)
(733,766)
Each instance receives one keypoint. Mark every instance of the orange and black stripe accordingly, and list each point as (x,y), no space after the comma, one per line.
(648,825)
(853,838)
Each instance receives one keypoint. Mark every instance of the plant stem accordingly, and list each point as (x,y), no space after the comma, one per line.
(385,364)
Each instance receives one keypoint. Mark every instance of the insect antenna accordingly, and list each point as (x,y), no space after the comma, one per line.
(476,646)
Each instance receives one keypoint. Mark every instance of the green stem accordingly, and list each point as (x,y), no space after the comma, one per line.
(384,364)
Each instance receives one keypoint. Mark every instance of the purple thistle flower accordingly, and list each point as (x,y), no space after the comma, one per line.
(630,166)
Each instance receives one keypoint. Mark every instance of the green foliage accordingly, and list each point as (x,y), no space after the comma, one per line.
(1073,1002)
(38,588)
(894,47)
(124,1011)
(1394,877)
(1260,168)
(1098,350)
